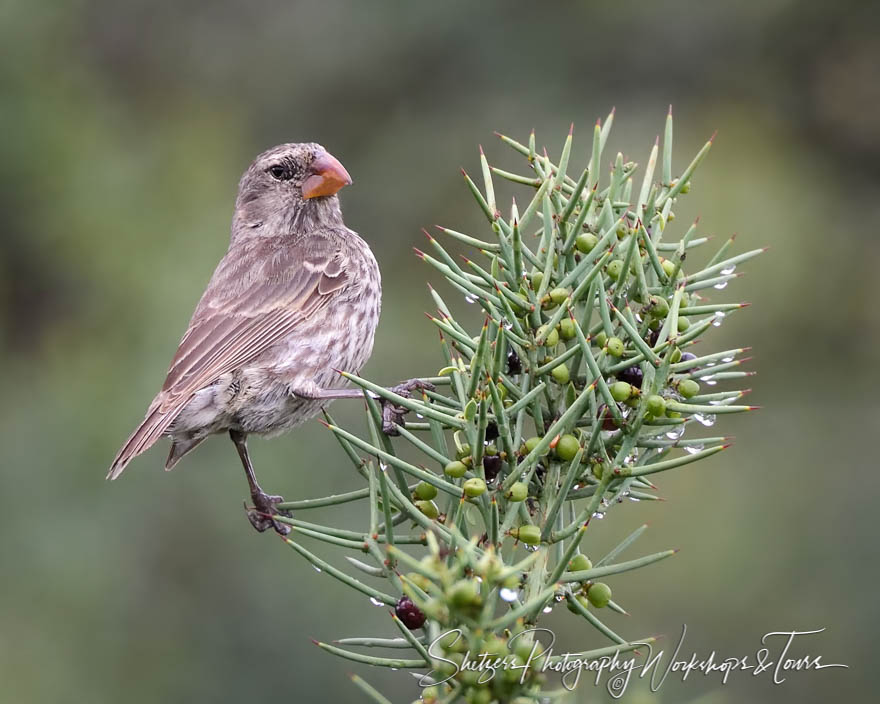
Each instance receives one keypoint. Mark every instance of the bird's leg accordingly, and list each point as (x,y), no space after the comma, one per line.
(264,505)
(392,415)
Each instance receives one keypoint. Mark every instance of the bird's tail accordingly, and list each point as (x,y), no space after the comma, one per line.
(144,436)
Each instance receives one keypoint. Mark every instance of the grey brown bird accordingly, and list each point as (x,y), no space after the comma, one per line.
(295,299)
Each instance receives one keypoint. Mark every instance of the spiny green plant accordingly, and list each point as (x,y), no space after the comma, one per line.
(579,386)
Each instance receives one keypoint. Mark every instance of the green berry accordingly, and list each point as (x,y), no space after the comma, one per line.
(527,648)
(582,600)
(659,306)
(532,443)
(495,646)
(551,337)
(615,267)
(669,267)
(599,594)
(579,563)
(518,492)
(566,329)
(688,388)
(464,451)
(560,374)
(683,323)
(567,447)
(430,695)
(474,487)
(558,295)
(614,346)
(621,391)
(675,356)
(537,278)
(656,405)
(686,188)
(429,508)
(529,534)
(478,695)
(586,241)
(600,339)
(455,469)
(425,491)
(464,593)
(452,642)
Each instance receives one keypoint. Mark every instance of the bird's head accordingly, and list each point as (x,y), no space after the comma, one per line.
(291,185)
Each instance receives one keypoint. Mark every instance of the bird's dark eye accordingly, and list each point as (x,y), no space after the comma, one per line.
(280,173)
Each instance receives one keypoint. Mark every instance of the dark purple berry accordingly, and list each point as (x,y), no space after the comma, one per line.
(631,375)
(491,431)
(607,419)
(688,356)
(491,466)
(653,336)
(409,614)
(514,364)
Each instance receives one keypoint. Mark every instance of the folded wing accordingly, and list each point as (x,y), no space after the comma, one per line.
(255,298)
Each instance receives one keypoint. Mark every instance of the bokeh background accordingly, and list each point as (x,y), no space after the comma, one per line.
(124,127)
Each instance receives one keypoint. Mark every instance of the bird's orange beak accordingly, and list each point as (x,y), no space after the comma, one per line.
(327,177)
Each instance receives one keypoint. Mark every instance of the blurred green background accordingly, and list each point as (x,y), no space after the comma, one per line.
(124,127)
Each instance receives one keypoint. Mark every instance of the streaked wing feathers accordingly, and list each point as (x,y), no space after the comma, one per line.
(225,334)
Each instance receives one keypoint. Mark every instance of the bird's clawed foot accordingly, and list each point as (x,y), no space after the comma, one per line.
(262,514)
(392,415)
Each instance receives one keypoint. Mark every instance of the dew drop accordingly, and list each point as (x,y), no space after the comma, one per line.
(726,359)
(375,602)
(599,515)
(720,285)
(706,419)
(383,466)
(719,316)
(633,498)
(508,594)
(548,609)
(316,568)
(676,432)
(693,449)
(727,271)
(470,299)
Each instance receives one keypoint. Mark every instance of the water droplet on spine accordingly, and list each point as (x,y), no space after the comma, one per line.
(508,594)
(706,419)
